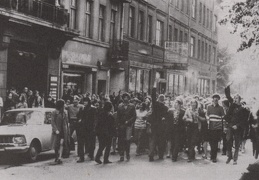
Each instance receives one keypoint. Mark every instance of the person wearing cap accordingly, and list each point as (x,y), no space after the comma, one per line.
(215,114)
(175,126)
(87,119)
(126,117)
(158,124)
(236,119)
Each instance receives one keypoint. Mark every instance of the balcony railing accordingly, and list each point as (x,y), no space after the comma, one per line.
(39,9)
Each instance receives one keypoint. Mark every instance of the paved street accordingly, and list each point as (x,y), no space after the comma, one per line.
(137,168)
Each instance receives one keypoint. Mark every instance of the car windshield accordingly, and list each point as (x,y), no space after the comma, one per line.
(22,117)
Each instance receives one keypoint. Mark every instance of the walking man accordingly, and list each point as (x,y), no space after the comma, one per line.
(126,117)
(86,135)
(236,119)
(215,114)
(159,113)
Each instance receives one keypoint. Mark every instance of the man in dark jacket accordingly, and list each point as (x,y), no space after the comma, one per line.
(85,132)
(235,118)
(126,116)
(159,113)
(175,127)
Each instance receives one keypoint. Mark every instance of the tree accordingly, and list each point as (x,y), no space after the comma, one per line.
(244,18)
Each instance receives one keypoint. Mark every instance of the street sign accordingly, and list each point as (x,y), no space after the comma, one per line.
(177,47)
(175,58)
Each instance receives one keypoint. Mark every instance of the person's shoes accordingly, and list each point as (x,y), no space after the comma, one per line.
(189,160)
(121,159)
(59,161)
(228,160)
(98,161)
(107,162)
(214,160)
(80,160)
(224,154)
(128,157)
(235,163)
(168,156)
(151,159)
(204,157)
(138,154)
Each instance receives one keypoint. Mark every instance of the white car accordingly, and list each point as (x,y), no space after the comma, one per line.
(26,131)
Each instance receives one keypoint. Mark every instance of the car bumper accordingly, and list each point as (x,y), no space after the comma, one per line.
(16,149)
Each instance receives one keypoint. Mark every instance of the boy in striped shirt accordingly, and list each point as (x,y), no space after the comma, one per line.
(215,114)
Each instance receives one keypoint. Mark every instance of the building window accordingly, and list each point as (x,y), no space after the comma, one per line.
(186,37)
(175,34)
(202,50)
(192,46)
(141,25)
(88,18)
(73,14)
(211,20)
(101,23)
(113,20)
(131,21)
(204,15)
(199,48)
(200,13)
(214,55)
(182,4)
(177,3)
(208,18)
(187,6)
(181,36)
(159,33)
(215,23)
(149,29)
(194,8)
(206,52)
(209,53)
(170,33)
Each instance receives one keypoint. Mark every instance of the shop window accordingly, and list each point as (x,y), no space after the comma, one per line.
(72,83)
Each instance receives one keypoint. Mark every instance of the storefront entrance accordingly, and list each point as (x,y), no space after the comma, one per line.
(73,82)
(27,68)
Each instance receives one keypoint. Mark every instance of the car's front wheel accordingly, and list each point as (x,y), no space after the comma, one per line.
(33,152)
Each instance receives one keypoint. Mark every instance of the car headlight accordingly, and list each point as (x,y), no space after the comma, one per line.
(19,140)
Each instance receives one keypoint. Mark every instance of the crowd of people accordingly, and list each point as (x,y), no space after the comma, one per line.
(158,125)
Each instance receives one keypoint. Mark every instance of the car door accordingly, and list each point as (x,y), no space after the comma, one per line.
(47,131)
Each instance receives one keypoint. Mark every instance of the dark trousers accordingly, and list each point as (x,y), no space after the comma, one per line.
(81,141)
(104,143)
(123,143)
(224,138)
(215,136)
(157,140)
(139,135)
(86,143)
(233,135)
(175,142)
(192,139)
(90,143)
